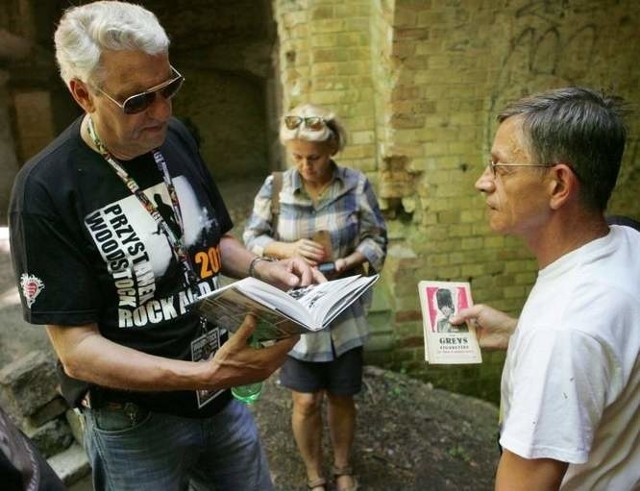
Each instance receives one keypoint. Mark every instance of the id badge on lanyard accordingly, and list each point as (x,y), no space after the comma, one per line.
(203,348)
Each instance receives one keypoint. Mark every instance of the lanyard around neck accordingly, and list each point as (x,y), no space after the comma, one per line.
(176,242)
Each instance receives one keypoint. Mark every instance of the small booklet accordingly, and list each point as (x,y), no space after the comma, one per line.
(444,342)
(279,313)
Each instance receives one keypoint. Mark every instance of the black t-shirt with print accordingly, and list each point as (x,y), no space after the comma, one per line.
(85,250)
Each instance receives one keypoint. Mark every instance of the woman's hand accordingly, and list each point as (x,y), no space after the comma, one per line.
(341,265)
(312,252)
(349,262)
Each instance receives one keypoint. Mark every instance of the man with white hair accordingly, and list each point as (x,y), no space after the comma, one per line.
(116,227)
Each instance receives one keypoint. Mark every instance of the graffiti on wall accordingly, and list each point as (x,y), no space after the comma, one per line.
(558,44)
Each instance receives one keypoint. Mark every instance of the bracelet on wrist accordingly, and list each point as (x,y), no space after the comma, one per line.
(254,261)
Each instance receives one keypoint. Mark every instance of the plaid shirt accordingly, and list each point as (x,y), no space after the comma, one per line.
(349,211)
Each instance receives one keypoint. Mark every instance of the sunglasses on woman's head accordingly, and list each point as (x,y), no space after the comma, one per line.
(313,123)
(140,102)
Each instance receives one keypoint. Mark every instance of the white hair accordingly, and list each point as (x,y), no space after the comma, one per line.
(86,31)
(333,130)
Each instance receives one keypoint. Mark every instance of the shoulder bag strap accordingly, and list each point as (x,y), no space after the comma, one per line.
(275,201)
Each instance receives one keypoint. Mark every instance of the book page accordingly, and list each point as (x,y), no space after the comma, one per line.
(327,300)
(346,298)
(444,342)
(229,309)
(279,300)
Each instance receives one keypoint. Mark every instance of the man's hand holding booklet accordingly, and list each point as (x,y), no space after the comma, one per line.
(445,342)
(281,314)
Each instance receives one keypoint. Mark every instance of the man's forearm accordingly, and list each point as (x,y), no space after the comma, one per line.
(235,257)
(86,355)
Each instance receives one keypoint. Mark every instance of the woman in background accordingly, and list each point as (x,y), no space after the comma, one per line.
(319,195)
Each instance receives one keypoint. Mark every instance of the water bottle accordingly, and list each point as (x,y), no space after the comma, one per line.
(249,393)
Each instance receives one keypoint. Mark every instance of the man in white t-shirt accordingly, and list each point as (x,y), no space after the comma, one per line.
(571,380)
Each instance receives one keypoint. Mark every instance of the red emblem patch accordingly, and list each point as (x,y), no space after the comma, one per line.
(31,288)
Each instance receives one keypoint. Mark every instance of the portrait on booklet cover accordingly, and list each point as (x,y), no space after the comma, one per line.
(445,342)
(444,302)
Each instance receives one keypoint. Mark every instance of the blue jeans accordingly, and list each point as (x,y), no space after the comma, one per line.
(142,450)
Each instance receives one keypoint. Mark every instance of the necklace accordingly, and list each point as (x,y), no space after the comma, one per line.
(317,192)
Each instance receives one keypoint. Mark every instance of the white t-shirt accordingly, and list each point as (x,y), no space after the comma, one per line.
(571,380)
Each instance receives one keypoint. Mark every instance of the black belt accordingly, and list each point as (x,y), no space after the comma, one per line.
(100,398)
(96,399)
(135,412)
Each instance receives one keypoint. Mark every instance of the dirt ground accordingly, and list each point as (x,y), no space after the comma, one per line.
(410,437)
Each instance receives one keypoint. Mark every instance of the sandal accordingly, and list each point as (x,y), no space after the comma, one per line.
(321,482)
(345,471)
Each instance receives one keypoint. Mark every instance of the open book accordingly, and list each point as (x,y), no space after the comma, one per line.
(281,314)
(444,342)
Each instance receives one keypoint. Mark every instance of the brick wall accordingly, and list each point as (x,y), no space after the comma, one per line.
(325,52)
(418,84)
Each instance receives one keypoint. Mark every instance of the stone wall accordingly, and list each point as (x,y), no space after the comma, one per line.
(14,47)
(9,166)
(419,83)
(29,395)
(224,50)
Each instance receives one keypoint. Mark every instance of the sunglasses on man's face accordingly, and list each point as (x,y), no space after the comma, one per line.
(313,123)
(140,102)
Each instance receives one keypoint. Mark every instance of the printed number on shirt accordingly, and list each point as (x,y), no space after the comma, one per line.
(209,262)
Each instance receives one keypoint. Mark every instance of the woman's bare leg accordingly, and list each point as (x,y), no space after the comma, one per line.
(306,421)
